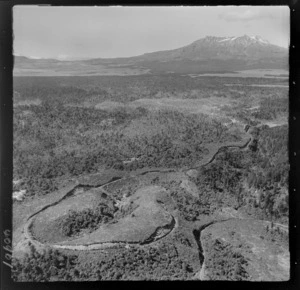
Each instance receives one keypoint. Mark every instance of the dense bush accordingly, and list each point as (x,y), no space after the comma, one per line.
(271,107)
(152,263)
(49,265)
(225,262)
(227,180)
(88,219)
(276,234)
(66,136)
(189,206)
(54,141)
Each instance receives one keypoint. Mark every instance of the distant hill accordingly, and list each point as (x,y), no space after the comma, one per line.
(209,54)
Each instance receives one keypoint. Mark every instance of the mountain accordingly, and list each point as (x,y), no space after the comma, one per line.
(209,54)
(210,47)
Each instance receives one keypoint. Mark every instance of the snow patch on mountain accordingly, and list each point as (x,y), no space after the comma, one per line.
(244,39)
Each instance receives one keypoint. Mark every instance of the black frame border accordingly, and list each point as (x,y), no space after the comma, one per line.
(6,137)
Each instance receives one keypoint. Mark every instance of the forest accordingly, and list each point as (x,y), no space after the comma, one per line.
(52,142)
(160,263)
(232,177)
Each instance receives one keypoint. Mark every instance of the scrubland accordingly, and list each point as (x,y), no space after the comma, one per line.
(119,135)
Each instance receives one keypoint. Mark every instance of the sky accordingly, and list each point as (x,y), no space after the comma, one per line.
(107,32)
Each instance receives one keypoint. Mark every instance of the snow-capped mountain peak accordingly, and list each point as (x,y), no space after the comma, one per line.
(246,48)
(246,40)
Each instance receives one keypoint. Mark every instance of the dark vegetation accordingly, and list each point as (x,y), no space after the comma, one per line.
(189,206)
(270,108)
(270,103)
(256,180)
(87,220)
(230,180)
(225,262)
(53,141)
(49,265)
(270,176)
(276,234)
(92,90)
(152,263)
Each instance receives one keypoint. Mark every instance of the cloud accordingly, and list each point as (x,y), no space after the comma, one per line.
(247,15)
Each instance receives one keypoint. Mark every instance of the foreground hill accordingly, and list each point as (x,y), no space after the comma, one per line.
(209,54)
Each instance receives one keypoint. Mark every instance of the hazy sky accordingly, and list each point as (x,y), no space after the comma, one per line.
(74,32)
